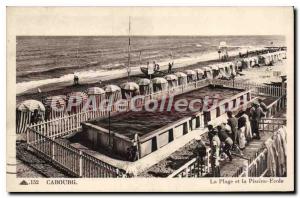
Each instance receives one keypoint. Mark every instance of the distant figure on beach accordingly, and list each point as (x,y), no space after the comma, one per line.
(170,67)
(76,80)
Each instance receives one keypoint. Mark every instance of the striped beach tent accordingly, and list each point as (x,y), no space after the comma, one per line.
(200,73)
(227,68)
(55,106)
(222,72)
(208,72)
(182,78)
(129,89)
(76,102)
(159,84)
(215,70)
(112,93)
(144,86)
(28,112)
(96,94)
(191,75)
(172,80)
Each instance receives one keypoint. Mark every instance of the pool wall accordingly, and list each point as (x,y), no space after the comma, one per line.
(233,103)
(100,137)
(158,138)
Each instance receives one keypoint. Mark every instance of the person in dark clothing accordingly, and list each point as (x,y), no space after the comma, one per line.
(224,137)
(215,153)
(170,68)
(256,113)
(76,80)
(36,117)
(210,133)
(262,105)
(233,123)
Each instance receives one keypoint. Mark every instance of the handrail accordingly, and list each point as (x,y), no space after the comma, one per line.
(50,149)
(182,168)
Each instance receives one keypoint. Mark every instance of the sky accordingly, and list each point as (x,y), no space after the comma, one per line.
(150,20)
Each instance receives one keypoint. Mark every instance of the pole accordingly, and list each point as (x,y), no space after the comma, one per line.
(128,68)
(109,132)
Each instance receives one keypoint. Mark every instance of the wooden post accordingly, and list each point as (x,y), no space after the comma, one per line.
(53,149)
(80,164)
(27,136)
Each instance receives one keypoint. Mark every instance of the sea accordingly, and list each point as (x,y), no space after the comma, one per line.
(42,59)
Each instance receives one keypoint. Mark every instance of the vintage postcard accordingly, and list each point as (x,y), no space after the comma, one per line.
(150,99)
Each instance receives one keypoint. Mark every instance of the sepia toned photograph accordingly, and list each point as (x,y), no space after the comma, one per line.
(152,96)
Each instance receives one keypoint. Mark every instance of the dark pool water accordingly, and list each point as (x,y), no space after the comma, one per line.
(143,122)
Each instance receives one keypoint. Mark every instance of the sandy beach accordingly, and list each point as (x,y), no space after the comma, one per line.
(90,76)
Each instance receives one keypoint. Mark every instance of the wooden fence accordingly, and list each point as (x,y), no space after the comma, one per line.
(75,162)
(257,166)
(194,168)
(259,89)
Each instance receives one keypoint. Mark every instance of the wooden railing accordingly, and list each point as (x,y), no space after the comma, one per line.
(276,106)
(271,124)
(259,89)
(194,168)
(257,165)
(75,162)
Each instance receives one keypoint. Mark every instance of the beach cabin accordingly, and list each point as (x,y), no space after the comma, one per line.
(215,71)
(222,73)
(76,102)
(200,74)
(227,68)
(112,93)
(55,106)
(129,90)
(96,95)
(159,84)
(246,64)
(172,80)
(145,86)
(182,78)
(208,72)
(255,61)
(28,112)
(191,76)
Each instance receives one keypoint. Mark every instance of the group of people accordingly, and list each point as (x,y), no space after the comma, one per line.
(235,134)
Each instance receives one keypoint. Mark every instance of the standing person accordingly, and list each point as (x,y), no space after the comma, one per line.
(233,123)
(170,68)
(248,131)
(200,153)
(263,105)
(256,113)
(215,156)
(211,133)
(241,135)
(76,80)
(224,137)
(154,65)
